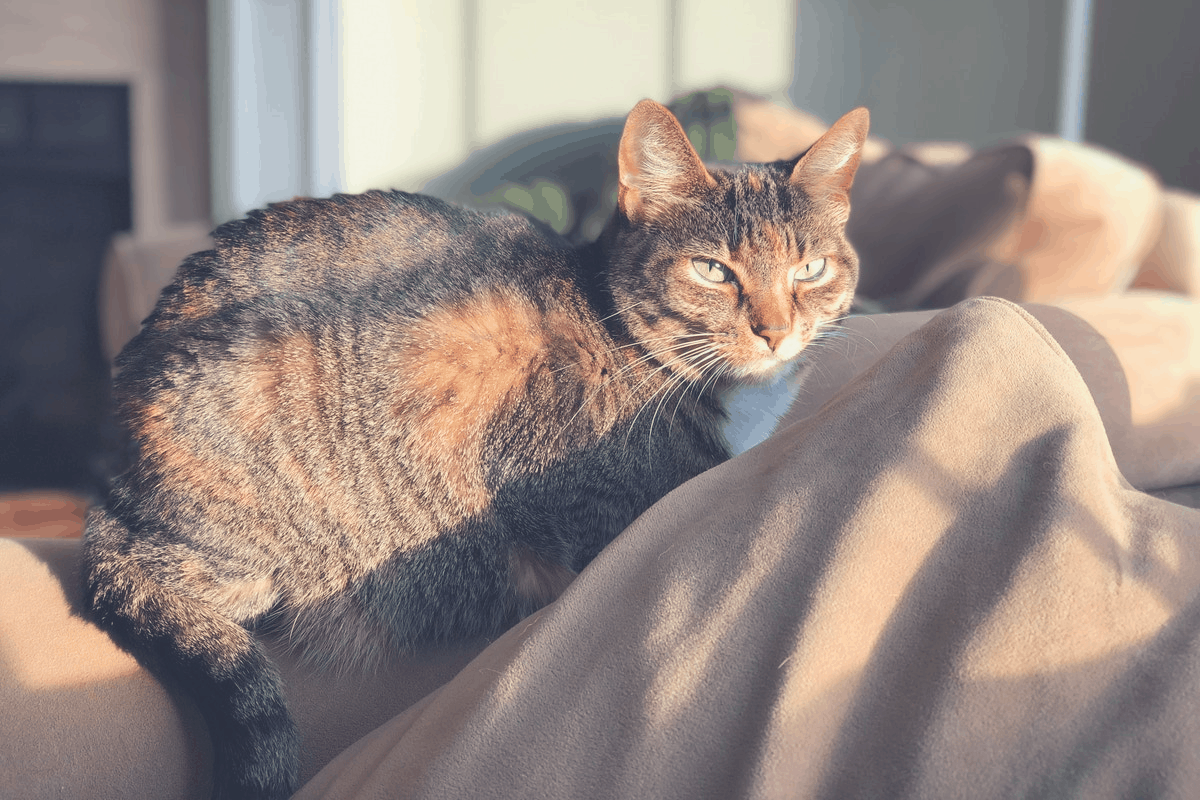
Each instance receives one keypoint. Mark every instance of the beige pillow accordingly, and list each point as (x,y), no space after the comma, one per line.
(927,223)
(1173,263)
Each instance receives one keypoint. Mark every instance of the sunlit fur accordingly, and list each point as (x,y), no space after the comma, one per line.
(373,422)
(762,235)
(763,222)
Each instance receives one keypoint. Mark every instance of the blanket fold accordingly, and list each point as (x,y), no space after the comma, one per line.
(920,590)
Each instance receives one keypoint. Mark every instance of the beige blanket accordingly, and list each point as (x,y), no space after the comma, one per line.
(923,589)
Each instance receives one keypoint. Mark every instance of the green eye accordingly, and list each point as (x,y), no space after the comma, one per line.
(712,270)
(811,271)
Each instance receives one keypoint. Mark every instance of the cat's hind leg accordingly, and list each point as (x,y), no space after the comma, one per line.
(196,649)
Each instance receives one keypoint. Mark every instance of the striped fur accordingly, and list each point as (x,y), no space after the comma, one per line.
(376,422)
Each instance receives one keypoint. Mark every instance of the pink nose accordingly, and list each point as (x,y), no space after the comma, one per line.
(772,336)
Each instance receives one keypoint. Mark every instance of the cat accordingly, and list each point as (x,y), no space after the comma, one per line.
(379,421)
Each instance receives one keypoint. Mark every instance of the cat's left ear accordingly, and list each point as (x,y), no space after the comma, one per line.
(828,168)
(658,165)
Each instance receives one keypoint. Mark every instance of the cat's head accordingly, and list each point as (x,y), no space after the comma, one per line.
(731,269)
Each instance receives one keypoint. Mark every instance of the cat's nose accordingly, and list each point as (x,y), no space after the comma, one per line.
(772,335)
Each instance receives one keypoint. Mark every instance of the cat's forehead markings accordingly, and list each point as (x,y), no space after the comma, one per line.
(754,181)
(767,243)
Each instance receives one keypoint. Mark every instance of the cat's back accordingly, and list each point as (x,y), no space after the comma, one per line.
(317,248)
(355,345)
(379,294)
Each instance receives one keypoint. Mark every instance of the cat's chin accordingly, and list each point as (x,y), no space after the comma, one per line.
(766,370)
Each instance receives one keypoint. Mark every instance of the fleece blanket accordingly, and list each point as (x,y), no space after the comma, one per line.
(920,590)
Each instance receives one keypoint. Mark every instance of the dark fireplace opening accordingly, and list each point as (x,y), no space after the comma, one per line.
(64,191)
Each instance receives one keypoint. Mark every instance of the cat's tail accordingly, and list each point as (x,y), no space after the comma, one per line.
(196,650)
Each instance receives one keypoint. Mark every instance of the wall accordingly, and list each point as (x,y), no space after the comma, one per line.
(155,46)
(1144,99)
(932,69)
(421,83)
(427,81)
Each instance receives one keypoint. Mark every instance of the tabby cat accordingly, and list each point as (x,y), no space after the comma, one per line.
(379,421)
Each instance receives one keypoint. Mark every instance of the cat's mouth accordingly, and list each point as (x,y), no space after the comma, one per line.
(765,369)
(768,363)
(708,357)
(728,359)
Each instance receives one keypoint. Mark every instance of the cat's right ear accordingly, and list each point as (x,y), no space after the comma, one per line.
(658,165)
(828,168)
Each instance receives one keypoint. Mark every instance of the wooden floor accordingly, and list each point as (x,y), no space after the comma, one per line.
(42,514)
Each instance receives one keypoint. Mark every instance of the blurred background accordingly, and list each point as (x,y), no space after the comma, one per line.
(159,118)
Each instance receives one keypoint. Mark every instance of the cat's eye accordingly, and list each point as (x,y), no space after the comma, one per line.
(712,270)
(811,271)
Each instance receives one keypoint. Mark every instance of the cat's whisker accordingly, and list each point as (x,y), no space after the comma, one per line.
(690,347)
(675,340)
(835,325)
(725,369)
(678,380)
(706,359)
(653,356)
(292,630)
(676,336)
(722,369)
(713,357)
(678,359)
(840,330)
(642,342)
(696,358)
(857,336)
(837,339)
(620,311)
(633,364)
(684,382)
(825,341)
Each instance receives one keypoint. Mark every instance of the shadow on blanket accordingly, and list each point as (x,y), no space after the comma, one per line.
(939,584)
